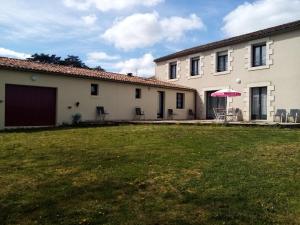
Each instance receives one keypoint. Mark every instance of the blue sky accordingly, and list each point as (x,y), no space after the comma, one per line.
(126,35)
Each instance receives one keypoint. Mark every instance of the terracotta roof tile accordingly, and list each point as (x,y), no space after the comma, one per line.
(25,65)
(234,40)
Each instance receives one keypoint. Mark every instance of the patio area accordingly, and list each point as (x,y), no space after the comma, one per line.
(207,122)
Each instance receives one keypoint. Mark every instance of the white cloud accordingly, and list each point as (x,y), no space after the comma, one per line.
(77,4)
(41,22)
(142,30)
(97,58)
(13,54)
(176,26)
(260,14)
(107,5)
(143,66)
(89,20)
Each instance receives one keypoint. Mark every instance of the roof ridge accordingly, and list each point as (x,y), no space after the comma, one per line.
(27,65)
(286,27)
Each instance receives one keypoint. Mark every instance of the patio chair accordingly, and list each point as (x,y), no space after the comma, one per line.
(101,113)
(281,114)
(171,114)
(139,114)
(233,114)
(294,115)
(191,114)
(220,113)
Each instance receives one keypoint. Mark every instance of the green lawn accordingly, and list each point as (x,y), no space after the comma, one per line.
(151,175)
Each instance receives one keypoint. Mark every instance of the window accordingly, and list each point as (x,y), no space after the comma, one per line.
(179,100)
(173,70)
(259,55)
(94,89)
(222,61)
(195,66)
(138,93)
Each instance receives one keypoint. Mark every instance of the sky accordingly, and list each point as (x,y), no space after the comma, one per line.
(127,35)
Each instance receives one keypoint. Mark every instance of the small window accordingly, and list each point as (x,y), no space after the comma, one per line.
(138,93)
(94,89)
(173,70)
(195,66)
(259,55)
(179,100)
(222,61)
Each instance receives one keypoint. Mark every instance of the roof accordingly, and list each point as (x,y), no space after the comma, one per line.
(26,65)
(234,40)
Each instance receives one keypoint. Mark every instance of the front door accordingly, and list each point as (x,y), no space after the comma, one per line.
(161,105)
(214,102)
(259,103)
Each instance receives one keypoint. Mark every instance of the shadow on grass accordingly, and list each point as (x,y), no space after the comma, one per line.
(117,201)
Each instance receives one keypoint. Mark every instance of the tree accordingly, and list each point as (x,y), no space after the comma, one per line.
(99,68)
(71,60)
(75,61)
(45,58)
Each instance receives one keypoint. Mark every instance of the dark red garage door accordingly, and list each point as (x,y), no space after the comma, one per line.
(29,106)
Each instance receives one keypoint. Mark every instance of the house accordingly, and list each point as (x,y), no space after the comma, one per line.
(37,94)
(264,66)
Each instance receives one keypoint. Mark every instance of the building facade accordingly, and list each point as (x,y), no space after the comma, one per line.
(34,94)
(264,66)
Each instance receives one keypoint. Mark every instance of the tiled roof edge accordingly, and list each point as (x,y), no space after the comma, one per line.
(288,27)
(29,66)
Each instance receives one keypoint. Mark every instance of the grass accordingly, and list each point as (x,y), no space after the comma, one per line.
(151,175)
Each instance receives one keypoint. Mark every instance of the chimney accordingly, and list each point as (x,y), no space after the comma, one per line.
(129,74)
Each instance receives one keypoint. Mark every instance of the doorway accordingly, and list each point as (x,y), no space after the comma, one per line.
(214,102)
(259,103)
(161,105)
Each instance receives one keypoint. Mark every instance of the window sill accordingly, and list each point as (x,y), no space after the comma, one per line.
(176,79)
(194,77)
(259,68)
(221,73)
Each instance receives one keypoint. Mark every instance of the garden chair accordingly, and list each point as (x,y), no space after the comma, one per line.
(191,114)
(233,114)
(294,115)
(171,114)
(139,114)
(101,113)
(220,113)
(281,114)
